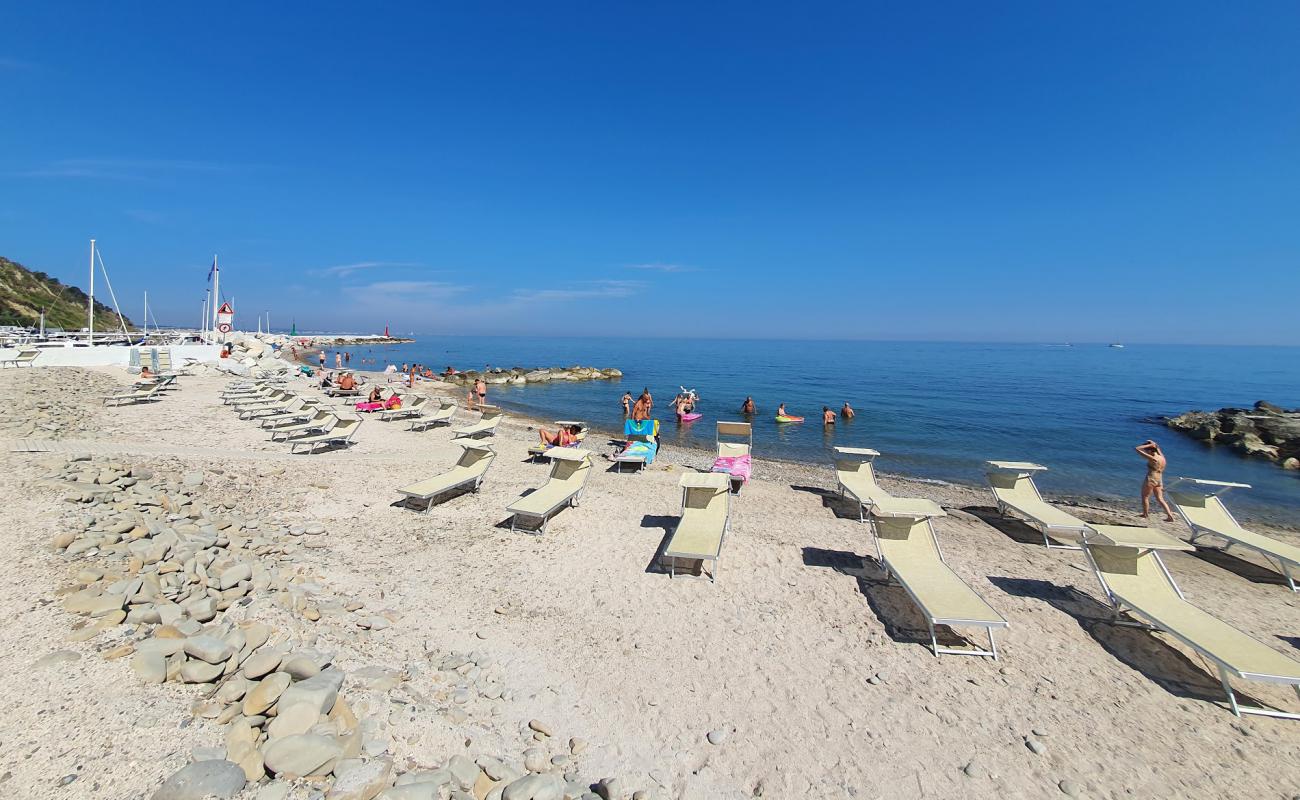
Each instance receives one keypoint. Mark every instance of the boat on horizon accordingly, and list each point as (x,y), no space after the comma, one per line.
(1116,344)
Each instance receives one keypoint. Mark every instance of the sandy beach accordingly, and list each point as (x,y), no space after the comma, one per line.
(799,673)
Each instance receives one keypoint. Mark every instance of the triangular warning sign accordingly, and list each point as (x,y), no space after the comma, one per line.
(225,309)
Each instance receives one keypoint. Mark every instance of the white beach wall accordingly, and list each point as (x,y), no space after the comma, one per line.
(110,355)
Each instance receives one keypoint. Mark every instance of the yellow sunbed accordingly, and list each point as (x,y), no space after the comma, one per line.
(908,548)
(705,520)
(1127,563)
(1013,488)
(1200,504)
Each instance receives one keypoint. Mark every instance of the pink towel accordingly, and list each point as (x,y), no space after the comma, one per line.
(736,466)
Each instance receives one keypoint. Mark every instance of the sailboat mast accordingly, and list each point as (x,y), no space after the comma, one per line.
(216,290)
(146,313)
(90,304)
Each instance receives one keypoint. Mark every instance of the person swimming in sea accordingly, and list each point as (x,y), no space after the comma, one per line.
(748,407)
(828,416)
(1154,483)
(847,412)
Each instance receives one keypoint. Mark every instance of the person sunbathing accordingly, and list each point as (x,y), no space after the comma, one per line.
(564,436)
(145,373)
(347,382)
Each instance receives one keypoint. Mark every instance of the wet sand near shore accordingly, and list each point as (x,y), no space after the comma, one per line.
(800,673)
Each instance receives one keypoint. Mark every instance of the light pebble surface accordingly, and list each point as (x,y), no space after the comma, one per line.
(581,634)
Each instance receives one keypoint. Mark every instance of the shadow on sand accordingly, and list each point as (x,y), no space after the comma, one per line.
(889,602)
(1255,573)
(1013,529)
(841,507)
(1138,648)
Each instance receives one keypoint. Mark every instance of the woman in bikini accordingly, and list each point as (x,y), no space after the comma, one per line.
(1155,479)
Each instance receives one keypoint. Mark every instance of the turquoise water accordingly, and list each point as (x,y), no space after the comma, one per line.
(935,410)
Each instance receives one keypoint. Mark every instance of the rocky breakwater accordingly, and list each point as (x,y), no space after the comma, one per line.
(1265,431)
(254,354)
(174,579)
(519,376)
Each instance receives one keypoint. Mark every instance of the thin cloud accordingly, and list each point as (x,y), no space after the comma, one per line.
(663,267)
(587,291)
(344,270)
(122,169)
(387,295)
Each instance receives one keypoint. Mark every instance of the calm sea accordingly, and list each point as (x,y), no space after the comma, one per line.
(934,410)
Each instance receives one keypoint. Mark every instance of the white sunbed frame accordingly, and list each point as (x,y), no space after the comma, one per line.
(930,619)
(1155,541)
(1217,489)
(327,437)
(700,481)
(27,357)
(474,482)
(570,502)
(1027,469)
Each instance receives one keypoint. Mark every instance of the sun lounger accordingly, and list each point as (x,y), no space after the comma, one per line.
(857,479)
(442,416)
(273,397)
(335,391)
(254,411)
(705,520)
(909,551)
(1200,504)
(262,395)
(1013,488)
(321,420)
(641,444)
(486,426)
(1127,563)
(339,434)
(735,456)
(469,471)
(299,409)
(539,450)
(412,406)
(24,358)
(136,394)
(570,467)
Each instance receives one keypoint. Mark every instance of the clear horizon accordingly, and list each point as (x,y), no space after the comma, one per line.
(1017,174)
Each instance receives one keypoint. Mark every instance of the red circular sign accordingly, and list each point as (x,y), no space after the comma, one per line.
(224,327)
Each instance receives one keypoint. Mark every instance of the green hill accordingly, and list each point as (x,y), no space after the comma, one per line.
(23,293)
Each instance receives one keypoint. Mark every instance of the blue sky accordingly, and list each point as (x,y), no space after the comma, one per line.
(991,171)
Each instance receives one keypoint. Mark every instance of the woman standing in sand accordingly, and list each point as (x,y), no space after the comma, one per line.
(1154,483)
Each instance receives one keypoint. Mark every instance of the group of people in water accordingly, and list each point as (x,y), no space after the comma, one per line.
(684,402)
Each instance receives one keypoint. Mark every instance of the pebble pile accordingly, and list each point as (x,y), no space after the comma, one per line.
(45,414)
(171,580)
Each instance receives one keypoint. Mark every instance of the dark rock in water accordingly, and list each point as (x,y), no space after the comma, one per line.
(1265,431)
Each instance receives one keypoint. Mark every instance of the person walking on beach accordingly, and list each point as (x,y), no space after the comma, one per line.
(828,416)
(627,404)
(747,407)
(847,411)
(1154,483)
(480,389)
